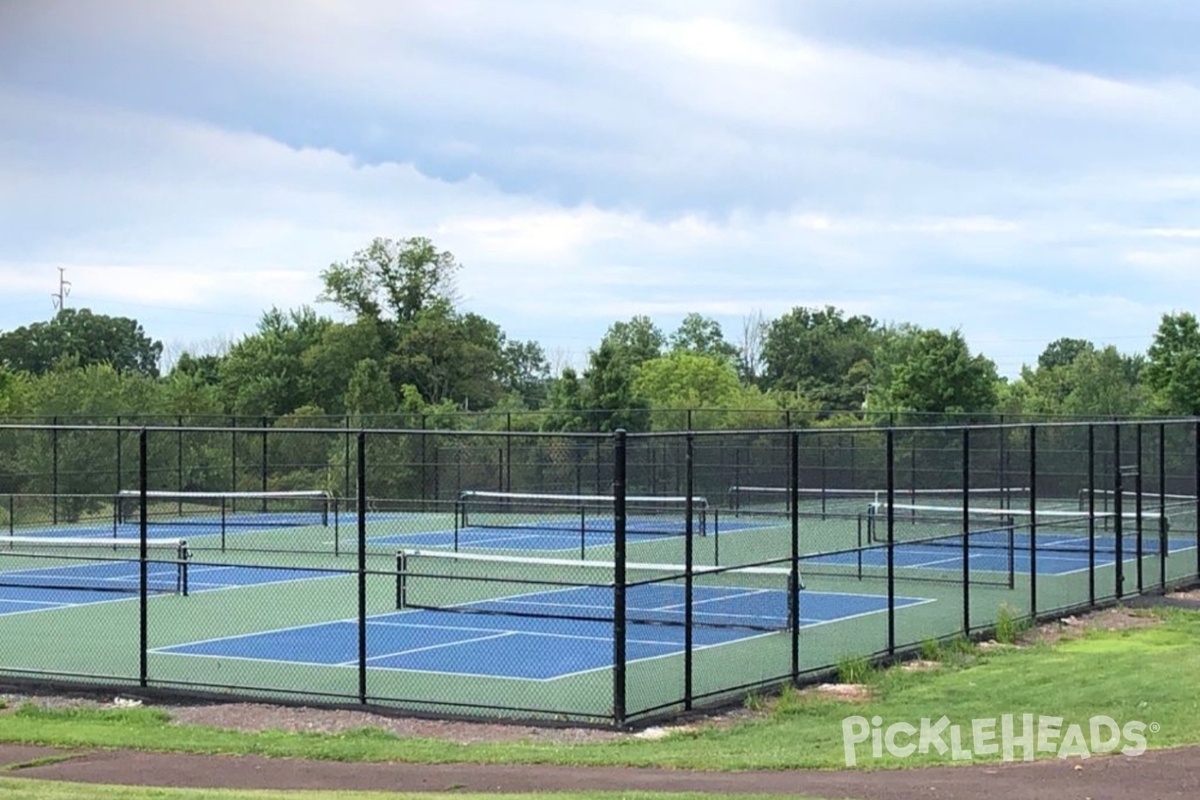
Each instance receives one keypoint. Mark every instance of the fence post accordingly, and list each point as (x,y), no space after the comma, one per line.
(362,566)
(143,594)
(966,520)
(264,462)
(1164,534)
(618,489)
(688,578)
(794,577)
(54,470)
(1033,526)
(891,540)
(1091,507)
(1118,512)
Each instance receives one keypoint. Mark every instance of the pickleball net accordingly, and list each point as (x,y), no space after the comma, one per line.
(759,598)
(94,564)
(580,513)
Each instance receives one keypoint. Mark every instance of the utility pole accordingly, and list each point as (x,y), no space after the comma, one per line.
(64,291)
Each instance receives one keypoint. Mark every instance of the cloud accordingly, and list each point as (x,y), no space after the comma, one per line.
(193,165)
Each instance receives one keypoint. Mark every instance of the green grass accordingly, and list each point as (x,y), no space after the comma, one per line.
(1142,674)
(18,789)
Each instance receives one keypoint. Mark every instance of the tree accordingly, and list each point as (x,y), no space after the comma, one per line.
(264,373)
(939,374)
(754,333)
(702,336)
(635,341)
(1173,368)
(392,279)
(525,373)
(814,351)
(684,379)
(609,390)
(1104,383)
(369,390)
(450,357)
(86,337)
(1063,352)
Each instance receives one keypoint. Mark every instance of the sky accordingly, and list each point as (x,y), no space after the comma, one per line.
(1019,170)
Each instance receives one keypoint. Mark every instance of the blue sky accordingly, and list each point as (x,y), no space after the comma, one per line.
(1017,169)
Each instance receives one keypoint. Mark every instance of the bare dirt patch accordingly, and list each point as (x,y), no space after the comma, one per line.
(1109,619)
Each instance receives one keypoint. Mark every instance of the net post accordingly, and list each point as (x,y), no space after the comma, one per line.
(223,521)
(619,489)
(688,577)
(890,453)
(362,566)
(794,566)
(337,526)
(143,593)
(182,574)
(401,580)
(716,537)
(1033,475)
(966,539)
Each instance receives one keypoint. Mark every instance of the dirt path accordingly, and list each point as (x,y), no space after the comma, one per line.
(1156,774)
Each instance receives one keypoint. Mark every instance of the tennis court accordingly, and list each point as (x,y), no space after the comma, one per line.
(541,636)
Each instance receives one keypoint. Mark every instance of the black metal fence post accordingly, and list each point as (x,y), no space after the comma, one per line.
(1033,497)
(619,488)
(1138,506)
(264,462)
(1164,535)
(891,541)
(794,578)
(54,471)
(143,572)
(1118,512)
(966,521)
(1091,508)
(688,578)
(362,566)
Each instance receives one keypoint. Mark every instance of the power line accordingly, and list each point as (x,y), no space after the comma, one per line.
(64,291)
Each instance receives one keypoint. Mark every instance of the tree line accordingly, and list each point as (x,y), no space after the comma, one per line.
(406,346)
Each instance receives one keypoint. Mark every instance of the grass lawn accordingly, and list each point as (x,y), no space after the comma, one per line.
(1144,674)
(17,789)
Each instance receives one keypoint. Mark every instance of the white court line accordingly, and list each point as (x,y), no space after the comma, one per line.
(457,642)
(546,634)
(30,602)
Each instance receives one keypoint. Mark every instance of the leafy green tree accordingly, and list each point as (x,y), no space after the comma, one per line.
(206,368)
(569,404)
(264,374)
(1105,383)
(1063,352)
(685,379)
(610,394)
(820,353)
(331,361)
(635,341)
(939,374)
(1173,367)
(525,373)
(369,390)
(86,337)
(396,279)
(450,357)
(703,336)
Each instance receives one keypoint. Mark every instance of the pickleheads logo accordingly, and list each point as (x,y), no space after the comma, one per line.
(1007,736)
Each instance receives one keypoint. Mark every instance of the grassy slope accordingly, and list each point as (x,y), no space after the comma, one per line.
(1144,674)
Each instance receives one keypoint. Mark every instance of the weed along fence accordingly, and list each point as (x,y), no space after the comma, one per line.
(605,579)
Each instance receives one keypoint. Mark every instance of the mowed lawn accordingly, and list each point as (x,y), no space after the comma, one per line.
(1141,673)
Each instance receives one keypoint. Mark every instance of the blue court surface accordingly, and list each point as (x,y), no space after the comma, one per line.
(1057,554)
(479,639)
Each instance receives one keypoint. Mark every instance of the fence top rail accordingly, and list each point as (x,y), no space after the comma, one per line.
(875,429)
